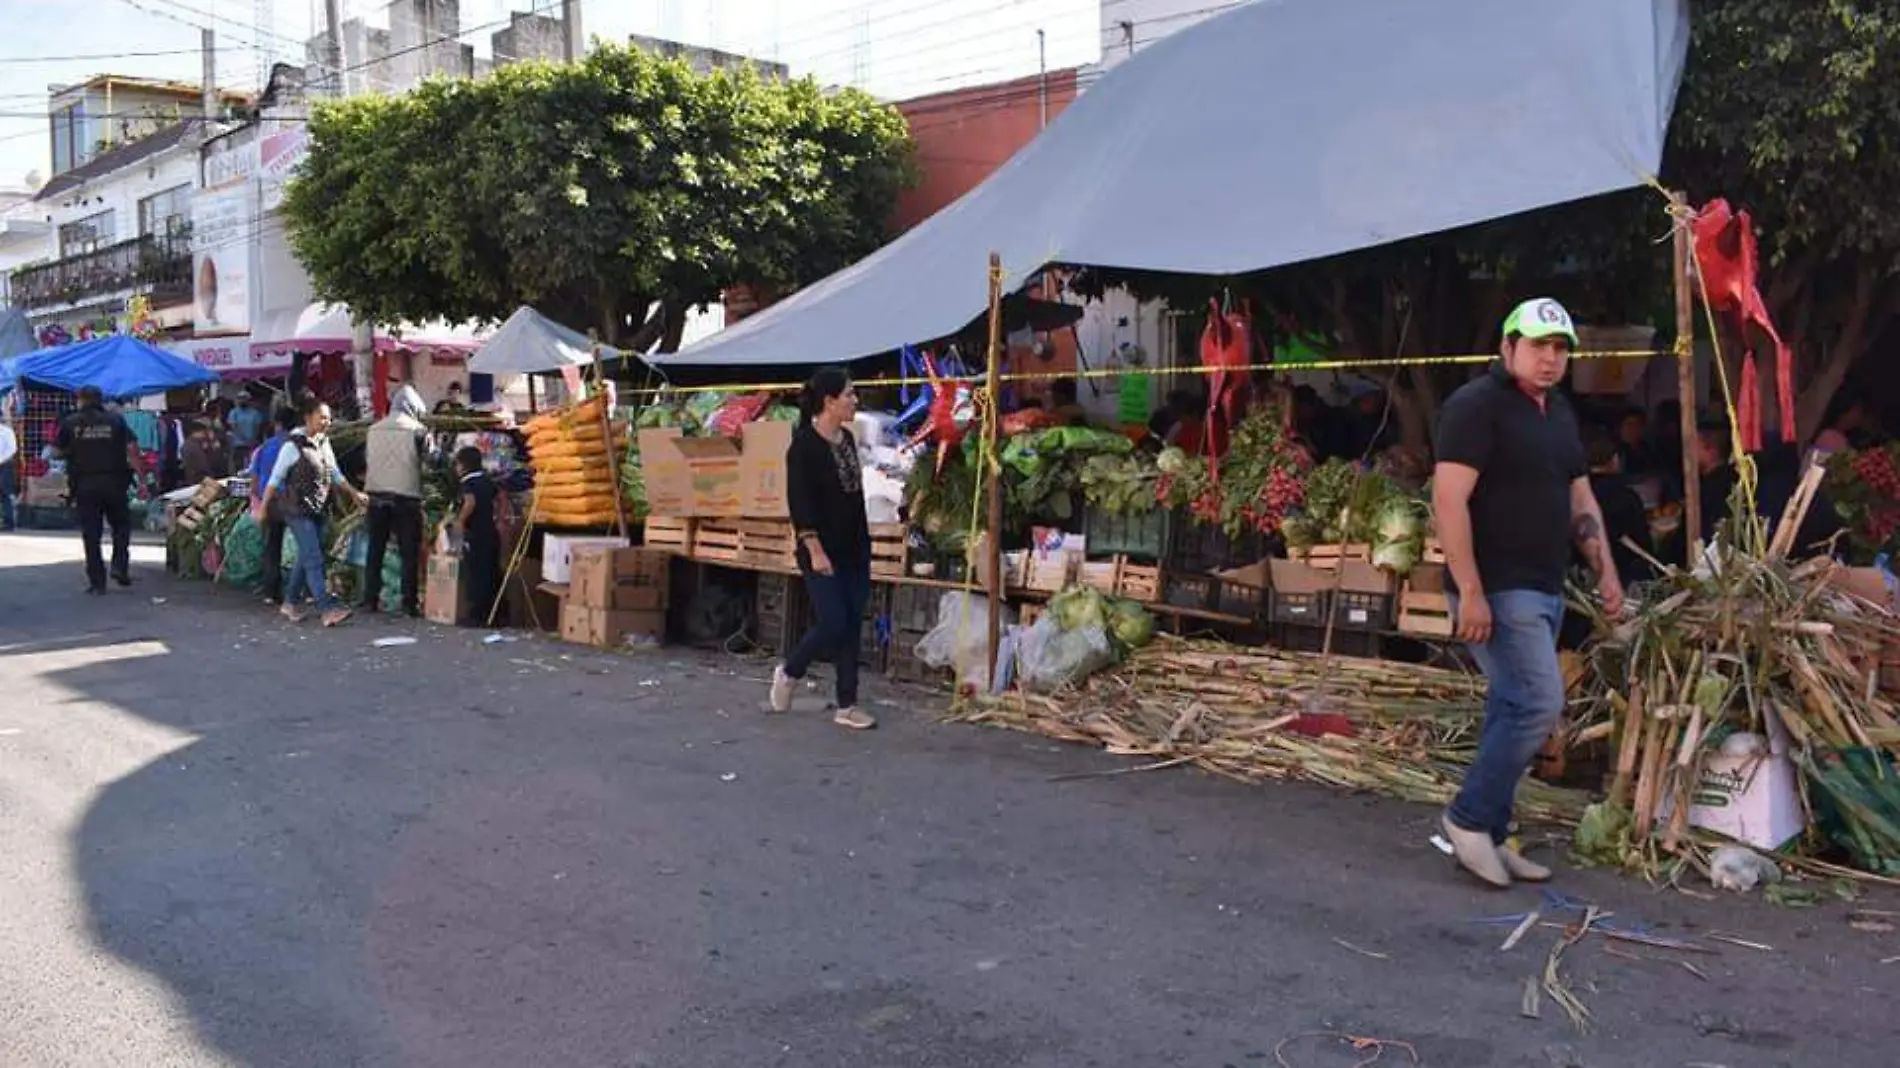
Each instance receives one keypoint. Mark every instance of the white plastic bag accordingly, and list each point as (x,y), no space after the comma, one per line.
(1050,658)
(961,638)
(1740,869)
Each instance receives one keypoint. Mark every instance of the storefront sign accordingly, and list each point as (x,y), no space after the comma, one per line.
(281,150)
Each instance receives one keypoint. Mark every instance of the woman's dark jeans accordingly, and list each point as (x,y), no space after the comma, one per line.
(840,599)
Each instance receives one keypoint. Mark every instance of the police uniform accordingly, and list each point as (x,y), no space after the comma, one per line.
(95,442)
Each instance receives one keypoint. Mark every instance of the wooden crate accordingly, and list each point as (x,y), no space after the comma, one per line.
(669,534)
(1327,557)
(1138,582)
(1425,613)
(767,543)
(1434,551)
(1100,575)
(890,547)
(1048,574)
(716,540)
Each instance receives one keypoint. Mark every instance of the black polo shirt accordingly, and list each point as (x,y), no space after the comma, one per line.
(1526,457)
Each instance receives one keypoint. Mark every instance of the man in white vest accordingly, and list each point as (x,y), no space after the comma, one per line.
(394,454)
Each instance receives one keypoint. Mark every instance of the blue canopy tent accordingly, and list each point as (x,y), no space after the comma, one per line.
(121,366)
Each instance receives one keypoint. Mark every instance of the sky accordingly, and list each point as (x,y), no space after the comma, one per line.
(894,48)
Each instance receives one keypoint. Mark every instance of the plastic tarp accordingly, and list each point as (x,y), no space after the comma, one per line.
(1277,132)
(16,334)
(119,365)
(529,343)
(327,328)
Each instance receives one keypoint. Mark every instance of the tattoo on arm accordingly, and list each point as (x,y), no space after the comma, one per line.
(1586,528)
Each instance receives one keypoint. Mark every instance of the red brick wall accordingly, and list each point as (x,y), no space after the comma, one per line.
(965,134)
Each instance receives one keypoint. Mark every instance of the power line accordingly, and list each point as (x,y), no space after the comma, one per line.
(95,56)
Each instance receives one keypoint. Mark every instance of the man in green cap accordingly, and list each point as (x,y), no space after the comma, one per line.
(1511,495)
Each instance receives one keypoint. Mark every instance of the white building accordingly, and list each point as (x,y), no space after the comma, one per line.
(114,220)
(26,235)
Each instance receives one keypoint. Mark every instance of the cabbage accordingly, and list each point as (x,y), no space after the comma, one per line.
(1399,536)
(1398,557)
(1131,625)
(1077,607)
(1172,461)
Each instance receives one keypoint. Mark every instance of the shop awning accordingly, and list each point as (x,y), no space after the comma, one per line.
(1278,132)
(119,365)
(530,342)
(323,329)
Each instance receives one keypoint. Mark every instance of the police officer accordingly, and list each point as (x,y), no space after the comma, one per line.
(101,455)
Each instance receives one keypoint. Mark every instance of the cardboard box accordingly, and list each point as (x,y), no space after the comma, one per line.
(442,589)
(45,491)
(619,579)
(762,470)
(717,477)
(607,629)
(669,480)
(557,553)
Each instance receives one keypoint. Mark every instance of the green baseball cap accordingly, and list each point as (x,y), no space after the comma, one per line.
(1542,317)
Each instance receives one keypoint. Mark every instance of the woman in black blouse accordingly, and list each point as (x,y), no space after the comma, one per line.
(824,486)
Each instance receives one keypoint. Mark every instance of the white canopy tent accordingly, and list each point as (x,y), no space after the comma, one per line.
(532,343)
(1278,132)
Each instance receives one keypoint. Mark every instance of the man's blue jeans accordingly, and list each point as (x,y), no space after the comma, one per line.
(1523,705)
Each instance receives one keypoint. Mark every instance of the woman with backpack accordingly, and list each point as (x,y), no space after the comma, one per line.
(301,481)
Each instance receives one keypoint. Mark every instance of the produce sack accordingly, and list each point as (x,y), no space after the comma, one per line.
(1049,658)
(243,554)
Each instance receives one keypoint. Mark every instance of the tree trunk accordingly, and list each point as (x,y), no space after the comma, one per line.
(1874,301)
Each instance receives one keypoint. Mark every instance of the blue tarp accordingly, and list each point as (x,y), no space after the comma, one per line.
(120,366)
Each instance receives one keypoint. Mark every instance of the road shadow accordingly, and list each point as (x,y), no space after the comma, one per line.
(458,853)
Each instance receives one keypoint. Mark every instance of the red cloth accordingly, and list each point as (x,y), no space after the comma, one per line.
(1225,344)
(1730,262)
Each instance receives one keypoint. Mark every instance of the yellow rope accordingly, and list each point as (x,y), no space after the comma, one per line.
(1144,372)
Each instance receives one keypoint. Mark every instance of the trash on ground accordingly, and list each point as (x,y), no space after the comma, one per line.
(393,640)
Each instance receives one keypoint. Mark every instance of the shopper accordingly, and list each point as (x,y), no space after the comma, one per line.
(394,454)
(1511,493)
(824,486)
(248,423)
(301,482)
(271,521)
(203,454)
(481,539)
(101,457)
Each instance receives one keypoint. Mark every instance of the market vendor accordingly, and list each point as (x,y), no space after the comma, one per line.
(1511,494)
(394,451)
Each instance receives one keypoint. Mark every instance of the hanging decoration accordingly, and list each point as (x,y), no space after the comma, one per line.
(1730,262)
(1225,345)
(139,320)
(54,334)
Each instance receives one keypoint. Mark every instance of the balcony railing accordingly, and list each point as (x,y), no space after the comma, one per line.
(160,267)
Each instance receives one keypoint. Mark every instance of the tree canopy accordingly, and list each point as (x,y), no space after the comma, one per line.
(1791,109)
(592,191)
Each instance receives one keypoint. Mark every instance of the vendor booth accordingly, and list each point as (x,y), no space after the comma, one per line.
(311,349)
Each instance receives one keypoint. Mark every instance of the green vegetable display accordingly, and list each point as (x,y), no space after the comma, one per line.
(1120,485)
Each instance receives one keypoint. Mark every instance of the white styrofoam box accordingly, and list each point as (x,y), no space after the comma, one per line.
(557,553)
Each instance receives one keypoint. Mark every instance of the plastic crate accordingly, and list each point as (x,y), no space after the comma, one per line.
(1187,591)
(905,667)
(1297,609)
(914,608)
(1196,547)
(1357,610)
(1300,638)
(1240,599)
(1142,537)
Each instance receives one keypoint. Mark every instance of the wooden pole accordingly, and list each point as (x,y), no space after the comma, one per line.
(1685,379)
(992,431)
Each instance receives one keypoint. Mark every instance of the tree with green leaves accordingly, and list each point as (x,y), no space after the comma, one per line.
(1791,110)
(614,193)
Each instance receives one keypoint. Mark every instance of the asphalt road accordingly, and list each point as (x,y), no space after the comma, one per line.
(227,840)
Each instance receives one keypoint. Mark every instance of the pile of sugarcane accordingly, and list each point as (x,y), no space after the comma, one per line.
(1403,730)
(1748,641)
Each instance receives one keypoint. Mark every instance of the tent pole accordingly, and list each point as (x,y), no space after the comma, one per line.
(1685,379)
(992,430)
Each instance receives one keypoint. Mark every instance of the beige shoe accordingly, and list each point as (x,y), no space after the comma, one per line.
(1522,869)
(292,613)
(854,718)
(782,687)
(337,617)
(1476,853)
